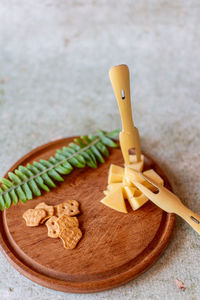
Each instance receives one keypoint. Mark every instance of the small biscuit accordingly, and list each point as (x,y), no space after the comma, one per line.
(53,228)
(70,237)
(69,208)
(65,221)
(34,216)
(48,208)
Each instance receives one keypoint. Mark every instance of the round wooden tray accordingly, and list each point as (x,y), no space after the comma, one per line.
(115,247)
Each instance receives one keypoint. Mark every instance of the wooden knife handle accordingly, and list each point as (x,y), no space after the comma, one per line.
(119,77)
(190,217)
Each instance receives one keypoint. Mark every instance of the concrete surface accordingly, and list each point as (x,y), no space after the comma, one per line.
(54,62)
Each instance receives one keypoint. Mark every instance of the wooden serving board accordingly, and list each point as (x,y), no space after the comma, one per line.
(115,247)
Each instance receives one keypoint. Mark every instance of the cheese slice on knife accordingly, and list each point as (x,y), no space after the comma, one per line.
(137,166)
(135,198)
(129,192)
(131,174)
(153,175)
(121,187)
(115,174)
(126,181)
(115,200)
(137,202)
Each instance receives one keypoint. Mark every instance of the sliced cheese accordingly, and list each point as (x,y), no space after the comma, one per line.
(137,202)
(129,192)
(137,193)
(115,174)
(106,192)
(138,166)
(115,200)
(153,175)
(126,181)
(135,198)
(114,186)
(132,175)
(121,186)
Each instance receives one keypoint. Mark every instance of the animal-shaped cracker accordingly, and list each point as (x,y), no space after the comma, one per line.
(53,228)
(70,237)
(65,221)
(48,208)
(70,208)
(34,216)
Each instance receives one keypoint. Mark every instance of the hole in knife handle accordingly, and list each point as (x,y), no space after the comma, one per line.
(152,187)
(156,190)
(123,94)
(195,220)
(131,151)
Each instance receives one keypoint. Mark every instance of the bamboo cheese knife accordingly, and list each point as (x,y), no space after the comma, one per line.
(129,136)
(169,202)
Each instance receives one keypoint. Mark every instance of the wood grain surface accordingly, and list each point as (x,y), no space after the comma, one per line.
(115,247)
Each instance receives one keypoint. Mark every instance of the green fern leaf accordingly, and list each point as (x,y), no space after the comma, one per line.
(59,169)
(111,134)
(102,148)
(53,173)
(16,180)
(13,195)
(68,151)
(40,169)
(28,181)
(90,153)
(30,174)
(94,149)
(73,160)
(7,199)
(88,158)
(106,140)
(61,160)
(2,203)
(25,186)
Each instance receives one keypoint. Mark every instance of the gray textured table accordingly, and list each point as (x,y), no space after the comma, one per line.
(54,62)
